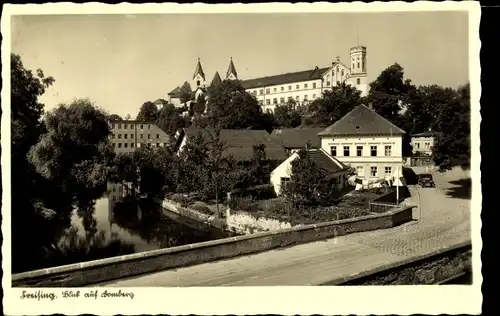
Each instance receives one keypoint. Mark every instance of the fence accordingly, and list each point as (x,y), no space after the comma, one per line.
(389,200)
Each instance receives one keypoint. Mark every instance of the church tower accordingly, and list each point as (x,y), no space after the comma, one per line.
(198,77)
(358,77)
(231,73)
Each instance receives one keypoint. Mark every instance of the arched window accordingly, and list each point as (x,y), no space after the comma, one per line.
(198,82)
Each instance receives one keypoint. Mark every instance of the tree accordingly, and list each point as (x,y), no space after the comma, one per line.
(128,117)
(125,170)
(76,128)
(115,117)
(170,120)
(452,146)
(199,106)
(287,116)
(148,112)
(259,169)
(309,184)
(190,164)
(186,93)
(231,107)
(334,104)
(27,212)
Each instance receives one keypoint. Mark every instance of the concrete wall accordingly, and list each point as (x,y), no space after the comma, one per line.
(92,272)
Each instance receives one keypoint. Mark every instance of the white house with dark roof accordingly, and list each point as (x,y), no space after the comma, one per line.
(335,169)
(422,143)
(367,142)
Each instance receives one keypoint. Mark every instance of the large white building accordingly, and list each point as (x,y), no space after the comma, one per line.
(367,142)
(302,86)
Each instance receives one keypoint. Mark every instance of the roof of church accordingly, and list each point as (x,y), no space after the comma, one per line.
(239,143)
(231,69)
(199,70)
(291,77)
(216,80)
(362,121)
(294,138)
(176,92)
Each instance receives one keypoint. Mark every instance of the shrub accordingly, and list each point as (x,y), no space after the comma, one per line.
(181,199)
(242,204)
(260,192)
(202,209)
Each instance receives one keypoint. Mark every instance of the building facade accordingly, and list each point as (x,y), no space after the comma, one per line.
(422,143)
(302,86)
(128,135)
(366,142)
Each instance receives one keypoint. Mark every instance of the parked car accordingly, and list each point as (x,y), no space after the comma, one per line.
(426,181)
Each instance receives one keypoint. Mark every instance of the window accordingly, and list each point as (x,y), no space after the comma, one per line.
(284,180)
(119,145)
(359,170)
(297,98)
(142,126)
(427,145)
(305,97)
(112,136)
(254,93)
(149,136)
(142,136)
(125,136)
(388,171)
(305,85)
(124,126)
(314,85)
(261,91)
(353,65)
(275,101)
(125,145)
(261,102)
(418,145)
(119,126)
(274,89)
(112,125)
(149,126)
(268,90)
(131,136)
(359,151)
(328,83)
(358,81)
(333,151)
(157,135)
(114,145)
(289,88)
(297,87)
(268,102)
(314,96)
(358,64)
(346,151)
(119,136)
(387,150)
(290,98)
(282,88)
(132,145)
(342,73)
(373,171)
(373,151)
(282,100)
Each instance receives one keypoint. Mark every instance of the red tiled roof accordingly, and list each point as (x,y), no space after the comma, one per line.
(299,76)
(239,143)
(295,138)
(362,121)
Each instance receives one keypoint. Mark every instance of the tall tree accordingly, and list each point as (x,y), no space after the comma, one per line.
(190,164)
(452,147)
(170,119)
(186,93)
(199,106)
(231,107)
(287,116)
(26,127)
(115,117)
(148,112)
(334,104)
(76,128)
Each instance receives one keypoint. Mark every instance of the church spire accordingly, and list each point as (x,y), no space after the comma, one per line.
(231,71)
(216,80)
(199,70)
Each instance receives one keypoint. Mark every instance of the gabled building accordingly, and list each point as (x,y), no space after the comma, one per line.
(422,143)
(174,97)
(294,139)
(128,135)
(335,169)
(367,142)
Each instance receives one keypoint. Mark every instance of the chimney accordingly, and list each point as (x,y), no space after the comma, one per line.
(338,58)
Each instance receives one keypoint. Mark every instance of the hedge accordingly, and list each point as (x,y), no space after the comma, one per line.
(260,192)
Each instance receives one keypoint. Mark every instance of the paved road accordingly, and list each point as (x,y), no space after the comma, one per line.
(445,221)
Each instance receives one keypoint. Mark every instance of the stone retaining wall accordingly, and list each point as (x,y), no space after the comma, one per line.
(93,272)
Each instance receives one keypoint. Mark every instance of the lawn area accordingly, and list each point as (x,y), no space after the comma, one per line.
(353,204)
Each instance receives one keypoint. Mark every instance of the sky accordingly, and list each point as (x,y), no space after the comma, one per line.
(121,61)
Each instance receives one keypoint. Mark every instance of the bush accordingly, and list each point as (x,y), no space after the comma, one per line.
(260,192)
(202,209)
(184,201)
